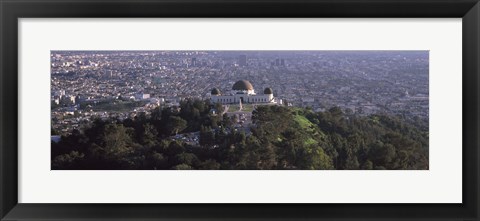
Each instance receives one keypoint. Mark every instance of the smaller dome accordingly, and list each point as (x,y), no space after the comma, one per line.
(268,91)
(215,91)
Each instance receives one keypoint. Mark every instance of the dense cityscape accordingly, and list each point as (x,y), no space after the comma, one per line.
(239,109)
(124,83)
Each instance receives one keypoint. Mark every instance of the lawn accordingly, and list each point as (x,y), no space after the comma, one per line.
(306,125)
(117,105)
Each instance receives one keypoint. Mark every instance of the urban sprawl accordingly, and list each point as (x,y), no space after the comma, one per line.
(121,84)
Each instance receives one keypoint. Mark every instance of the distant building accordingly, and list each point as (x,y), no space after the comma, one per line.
(56,100)
(242,60)
(308,99)
(59,93)
(142,96)
(242,91)
(55,138)
(71,99)
(194,62)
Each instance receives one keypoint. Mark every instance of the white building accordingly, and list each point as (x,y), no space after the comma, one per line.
(242,91)
(142,96)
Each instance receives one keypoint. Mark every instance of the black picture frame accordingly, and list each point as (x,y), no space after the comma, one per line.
(11,10)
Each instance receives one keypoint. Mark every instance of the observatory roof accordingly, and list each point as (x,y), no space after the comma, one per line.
(242,85)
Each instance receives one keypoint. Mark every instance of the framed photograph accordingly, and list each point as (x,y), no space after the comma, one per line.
(227,110)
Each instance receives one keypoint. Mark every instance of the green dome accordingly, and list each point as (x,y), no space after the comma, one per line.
(268,91)
(215,91)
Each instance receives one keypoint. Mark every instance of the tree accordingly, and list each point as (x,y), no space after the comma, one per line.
(219,108)
(117,143)
(348,111)
(368,165)
(292,149)
(149,135)
(176,124)
(227,121)
(318,160)
(174,148)
(209,164)
(67,161)
(207,136)
(159,161)
(249,152)
(186,158)
(336,112)
(156,114)
(352,163)
(381,154)
(182,167)
(53,132)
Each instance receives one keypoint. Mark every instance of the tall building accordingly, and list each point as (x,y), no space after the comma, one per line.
(194,62)
(242,60)
(242,92)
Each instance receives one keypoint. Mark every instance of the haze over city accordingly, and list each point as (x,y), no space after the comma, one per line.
(362,82)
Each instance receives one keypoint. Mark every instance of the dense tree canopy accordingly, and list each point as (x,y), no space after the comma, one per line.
(279,138)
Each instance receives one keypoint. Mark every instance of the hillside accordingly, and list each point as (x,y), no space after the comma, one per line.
(279,138)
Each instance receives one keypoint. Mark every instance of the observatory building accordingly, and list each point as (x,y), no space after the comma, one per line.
(242,91)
